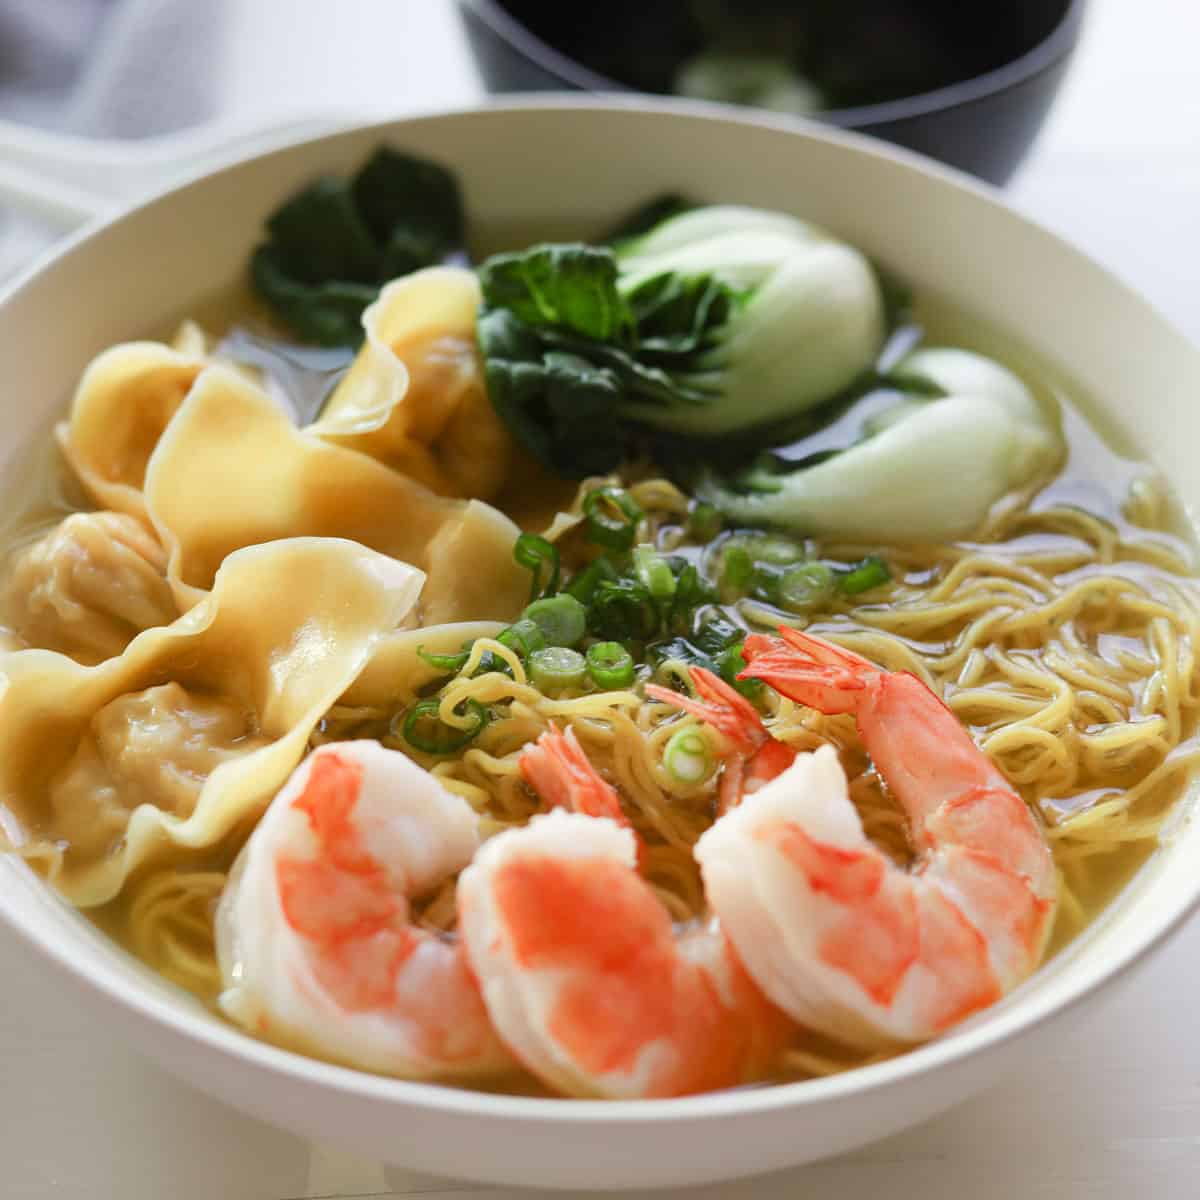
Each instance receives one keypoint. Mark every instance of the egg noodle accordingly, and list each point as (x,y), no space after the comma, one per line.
(1065,642)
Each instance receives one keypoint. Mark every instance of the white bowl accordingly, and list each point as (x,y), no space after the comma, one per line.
(521,163)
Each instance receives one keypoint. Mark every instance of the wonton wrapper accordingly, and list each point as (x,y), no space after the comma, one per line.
(416,398)
(231,471)
(123,403)
(286,628)
(396,673)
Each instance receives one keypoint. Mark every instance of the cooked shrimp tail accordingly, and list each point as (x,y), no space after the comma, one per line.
(752,756)
(718,705)
(556,767)
(317,947)
(834,932)
(586,978)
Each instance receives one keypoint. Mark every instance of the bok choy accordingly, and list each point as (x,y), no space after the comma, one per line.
(929,468)
(716,320)
(332,245)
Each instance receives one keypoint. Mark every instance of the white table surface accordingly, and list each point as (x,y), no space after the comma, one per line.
(1115,1113)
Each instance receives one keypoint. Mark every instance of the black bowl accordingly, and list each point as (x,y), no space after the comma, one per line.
(998,74)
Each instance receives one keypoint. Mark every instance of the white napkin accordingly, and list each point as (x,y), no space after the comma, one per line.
(105,69)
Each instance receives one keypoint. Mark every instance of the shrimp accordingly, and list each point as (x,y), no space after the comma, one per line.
(562,776)
(752,756)
(582,971)
(835,933)
(314,938)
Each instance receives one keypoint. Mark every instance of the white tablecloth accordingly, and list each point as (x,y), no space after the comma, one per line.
(1115,1113)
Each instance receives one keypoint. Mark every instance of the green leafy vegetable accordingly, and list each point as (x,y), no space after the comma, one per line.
(964,432)
(708,322)
(644,218)
(557,405)
(583,586)
(801,316)
(564,349)
(413,209)
(571,286)
(334,243)
(622,609)
(329,314)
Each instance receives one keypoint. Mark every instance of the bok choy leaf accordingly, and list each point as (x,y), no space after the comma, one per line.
(565,350)
(331,245)
(714,321)
(962,434)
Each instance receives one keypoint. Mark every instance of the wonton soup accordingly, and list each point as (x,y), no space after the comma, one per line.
(678,660)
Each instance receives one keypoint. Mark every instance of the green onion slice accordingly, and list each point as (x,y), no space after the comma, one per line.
(450,663)
(653,571)
(612,517)
(556,667)
(424,730)
(561,619)
(778,551)
(688,757)
(872,572)
(610,665)
(538,556)
(704,521)
(522,637)
(737,570)
(805,587)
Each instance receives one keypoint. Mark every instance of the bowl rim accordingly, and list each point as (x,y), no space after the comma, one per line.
(1043,55)
(204,1033)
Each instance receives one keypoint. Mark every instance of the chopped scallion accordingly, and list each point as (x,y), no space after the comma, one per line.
(556,667)
(778,551)
(610,665)
(523,637)
(424,730)
(737,569)
(674,672)
(654,571)
(872,572)
(561,619)
(805,587)
(704,521)
(688,757)
(612,517)
(540,557)
(450,663)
